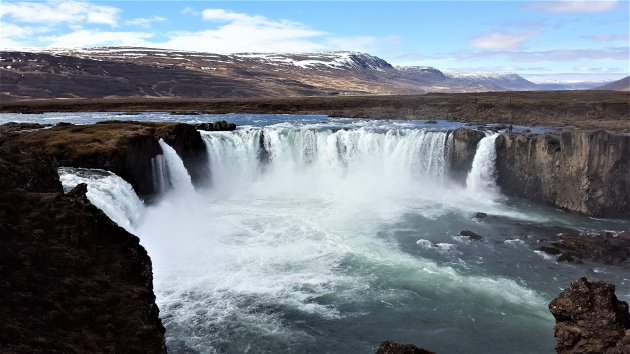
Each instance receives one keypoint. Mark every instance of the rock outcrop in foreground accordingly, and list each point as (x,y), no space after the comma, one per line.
(71,280)
(581,171)
(590,319)
(124,148)
(388,347)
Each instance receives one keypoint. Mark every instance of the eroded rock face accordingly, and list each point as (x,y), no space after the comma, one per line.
(388,347)
(463,152)
(71,280)
(124,148)
(590,319)
(581,171)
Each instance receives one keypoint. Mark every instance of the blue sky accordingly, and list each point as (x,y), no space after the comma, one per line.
(576,40)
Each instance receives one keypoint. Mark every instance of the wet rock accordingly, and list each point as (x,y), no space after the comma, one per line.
(63,124)
(463,152)
(590,319)
(431,122)
(582,171)
(471,235)
(216,126)
(480,215)
(550,250)
(567,257)
(605,248)
(388,347)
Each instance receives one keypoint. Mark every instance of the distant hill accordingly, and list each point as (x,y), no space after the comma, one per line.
(147,72)
(619,85)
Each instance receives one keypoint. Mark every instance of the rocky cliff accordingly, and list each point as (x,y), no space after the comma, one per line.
(71,280)
(580,171)
(590,319)
(125,148)
(463,152)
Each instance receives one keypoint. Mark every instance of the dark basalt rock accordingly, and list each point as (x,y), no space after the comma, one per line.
(480,215)
(388,347)
(471,235)
(590,319)
(123,147)
(582,171)
(550,250)
(463,152)
(71,280)
(216,126)
(605,248)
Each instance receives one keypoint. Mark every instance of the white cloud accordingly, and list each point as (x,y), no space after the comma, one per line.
(60,12)
(608,37)
(189,11)
(11,30)
(580,6)
(226,31)
(144,21)
(93,38)
(226,15)
(499,40)
(246,33)
(7,43)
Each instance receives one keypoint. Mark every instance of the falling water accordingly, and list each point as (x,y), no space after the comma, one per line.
(326,156)
(331,238)
(178,176)
(110,193)
(482,176)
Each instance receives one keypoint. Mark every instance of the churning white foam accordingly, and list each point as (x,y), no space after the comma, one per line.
(295,216)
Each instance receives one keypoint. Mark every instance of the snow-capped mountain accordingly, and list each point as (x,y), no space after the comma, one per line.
(508,81)
(148,72)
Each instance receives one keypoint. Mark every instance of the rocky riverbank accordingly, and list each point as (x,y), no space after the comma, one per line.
(583,171)
(71,280)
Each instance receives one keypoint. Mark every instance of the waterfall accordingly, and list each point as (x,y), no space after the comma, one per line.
(482,175)
(161,180)
(388,155)
(178,177)
(108,192)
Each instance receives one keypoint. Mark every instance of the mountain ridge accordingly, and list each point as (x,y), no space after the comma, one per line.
(153,72)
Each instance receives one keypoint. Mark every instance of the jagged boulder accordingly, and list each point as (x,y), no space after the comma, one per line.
(471,235)
(590,319)
(389,347)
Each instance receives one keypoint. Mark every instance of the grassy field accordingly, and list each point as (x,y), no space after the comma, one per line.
(608,110)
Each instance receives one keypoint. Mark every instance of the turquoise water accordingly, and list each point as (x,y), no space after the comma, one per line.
(346,238)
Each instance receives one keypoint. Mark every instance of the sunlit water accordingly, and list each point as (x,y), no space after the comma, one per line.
(345,237)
